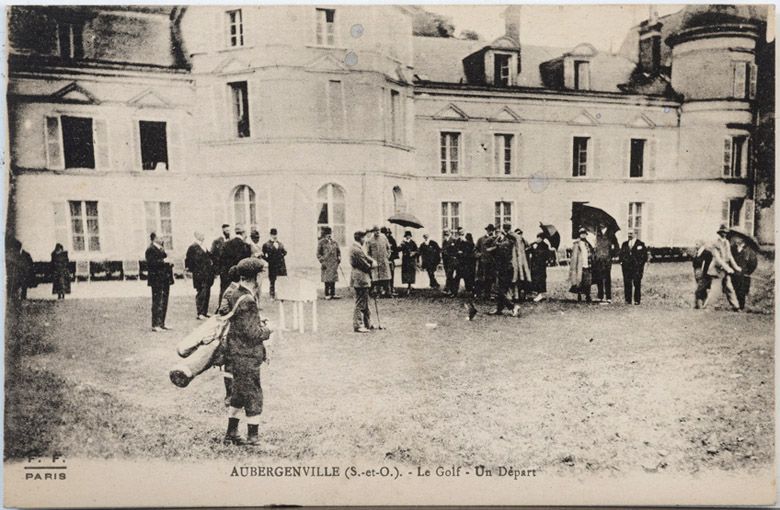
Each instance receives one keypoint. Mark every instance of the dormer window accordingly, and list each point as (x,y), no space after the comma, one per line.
(502,65)
(70,43)
(326,27)
(235,23)
(581,75)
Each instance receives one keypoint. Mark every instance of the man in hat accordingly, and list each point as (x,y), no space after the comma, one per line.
(603,252)
(721,268)
(394,253)
(486,271)
(220,266)
(453,250)
(633,257)
(160,279)
(198,262)
(430,256)
(522,279)
(378,248)
(580,266)
(745,257)
(539,253)
(360,280)
(447,259)
(329,256)
(274,253)
(502,251)
(235,250)
(245,353)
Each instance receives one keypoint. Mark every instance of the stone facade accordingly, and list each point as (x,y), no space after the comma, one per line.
(298,117)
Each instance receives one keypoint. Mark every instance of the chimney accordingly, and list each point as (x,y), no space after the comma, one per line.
(512,22)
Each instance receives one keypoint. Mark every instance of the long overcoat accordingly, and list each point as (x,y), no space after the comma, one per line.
(579,250)
(521,271)
(409,255)
(378,248)
(329,256)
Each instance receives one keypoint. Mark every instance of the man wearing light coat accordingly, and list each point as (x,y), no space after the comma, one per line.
(329,256)
(378,248)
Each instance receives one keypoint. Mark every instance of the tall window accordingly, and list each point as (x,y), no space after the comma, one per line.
(581,75)
(154,145)
(502,76)
(336,111)
(580,156)
(734,212)
(502,156)
(70,42)
(635,217)
(735,156)
(235,24)
(159,220)
(326,27)
(503,214)
(396,116)
(450,152)
(636,165)
(84,226)
(745,79)
(244,206)
(331,205)
(78,142)
(450,215)
(240,105)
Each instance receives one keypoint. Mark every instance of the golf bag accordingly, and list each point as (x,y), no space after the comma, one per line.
(202,348)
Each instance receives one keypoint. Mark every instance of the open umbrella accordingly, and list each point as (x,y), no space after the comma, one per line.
(405,220)
(591,217)
(738,232)
(551,234)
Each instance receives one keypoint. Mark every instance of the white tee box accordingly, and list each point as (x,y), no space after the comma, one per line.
(295,289)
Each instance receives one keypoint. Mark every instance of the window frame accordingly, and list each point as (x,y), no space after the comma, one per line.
(632,216)
(158,219)
(730,162)
(240,37)
(644,163)
(448,161)
(330,187)
(498,77)
(167,141)
(589,152)
(73,28)
(325,33)
(84,218)
(500,170)
(337,129)
(235,124)
(502,204)
(461,214)
(577,81)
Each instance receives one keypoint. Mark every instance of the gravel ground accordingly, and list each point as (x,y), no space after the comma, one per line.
(565,388)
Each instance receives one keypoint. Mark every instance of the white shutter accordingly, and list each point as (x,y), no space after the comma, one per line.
(136,148)
(739,78)
(60,209)
(220,211)
(648,220)
(176,160)
(139,229)
(748,211)
(107,227)
(626,215)
(54,152)
(651,153)
(727,156)
(753,80)
(221,113)
(593,149)
(724,212)
(626,157)
(518,141)
(255,107)
(100,139)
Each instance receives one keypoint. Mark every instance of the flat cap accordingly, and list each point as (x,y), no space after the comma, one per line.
(249,267)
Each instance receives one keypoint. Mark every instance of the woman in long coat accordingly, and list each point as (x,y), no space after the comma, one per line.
(60,273)
(580,266)
(409,256)
(539,253)
(522,273)
(329,256)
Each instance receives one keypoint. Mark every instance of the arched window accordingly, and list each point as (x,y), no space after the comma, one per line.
(244,206)
(331,209)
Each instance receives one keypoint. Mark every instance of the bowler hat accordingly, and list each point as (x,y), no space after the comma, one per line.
(724,229)
(407,234)
(249,267)
(273,232)
(239,229)
(225,225)
(490,227)
(326,230)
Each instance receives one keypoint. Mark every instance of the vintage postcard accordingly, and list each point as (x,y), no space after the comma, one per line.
(389,255)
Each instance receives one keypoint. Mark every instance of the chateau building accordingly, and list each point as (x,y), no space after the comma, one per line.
(124,120)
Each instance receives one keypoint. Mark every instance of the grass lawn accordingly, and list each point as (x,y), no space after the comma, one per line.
(565,388)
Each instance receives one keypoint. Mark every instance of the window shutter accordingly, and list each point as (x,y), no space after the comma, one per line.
(626,157)
(518,141)
(221,113)
(724,213)
(139,229)
(107,230)
(136,148)
(255,107)
(176,160)
(748,211)
(626,215)
(100,139)
(648,219)
(727,156)
(60,209)
(651,153)
(497,149)
(220,211)
(593,166)
(53,134)
(753,80)
(739,79)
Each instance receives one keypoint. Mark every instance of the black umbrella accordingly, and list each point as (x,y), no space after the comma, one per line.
(405,220)
(738,232)
(592,217)
(551,234)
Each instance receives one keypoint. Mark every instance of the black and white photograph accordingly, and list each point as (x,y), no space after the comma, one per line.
(389,254)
